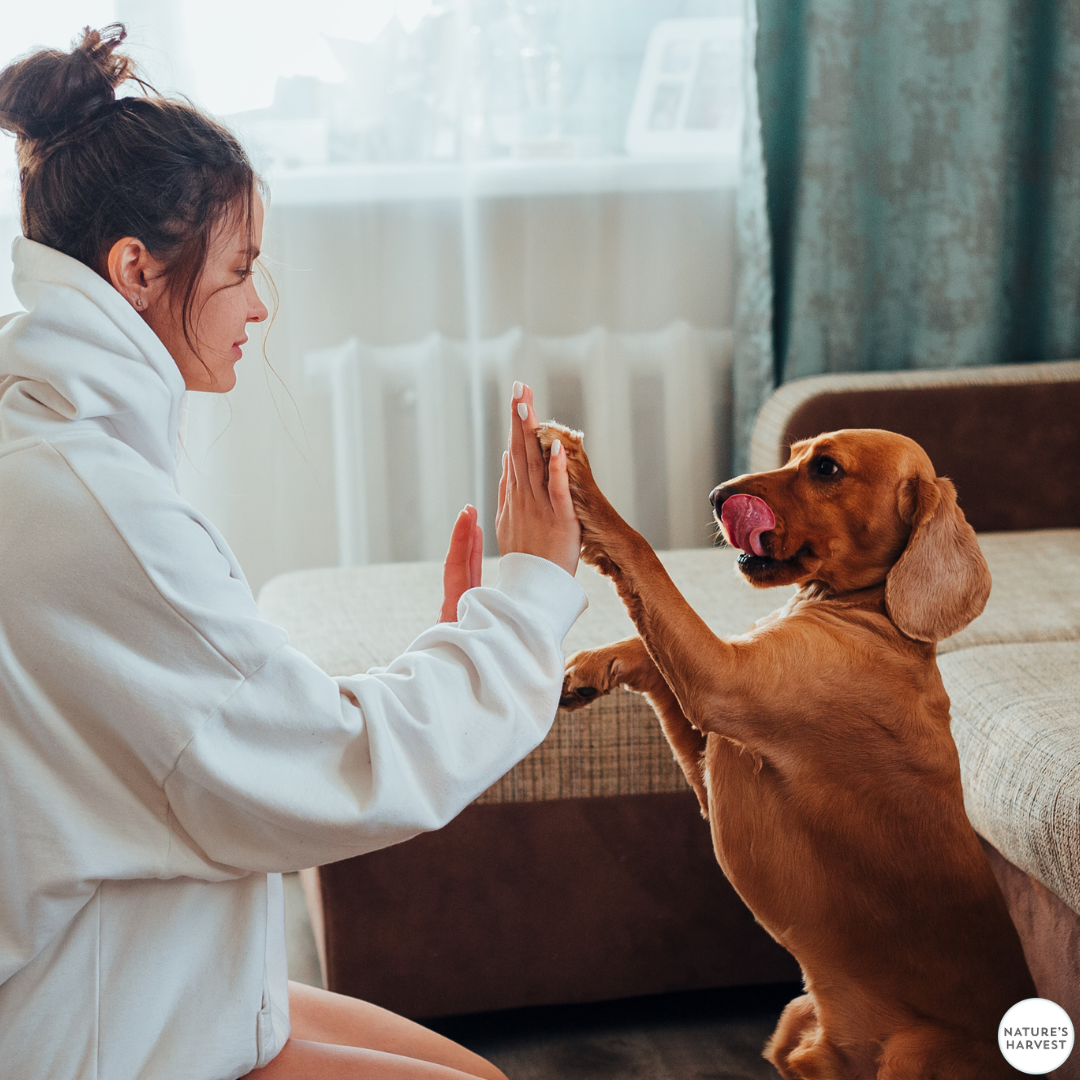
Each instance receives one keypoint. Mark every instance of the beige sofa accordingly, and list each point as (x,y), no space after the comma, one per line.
(586,873)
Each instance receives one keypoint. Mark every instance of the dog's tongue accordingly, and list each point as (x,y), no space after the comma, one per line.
(746,517)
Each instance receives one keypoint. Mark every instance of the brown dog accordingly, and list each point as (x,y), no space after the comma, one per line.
(819,746)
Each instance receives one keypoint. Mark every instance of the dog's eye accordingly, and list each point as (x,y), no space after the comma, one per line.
(825,466)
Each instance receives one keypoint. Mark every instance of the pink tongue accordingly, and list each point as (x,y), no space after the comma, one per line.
(746,517)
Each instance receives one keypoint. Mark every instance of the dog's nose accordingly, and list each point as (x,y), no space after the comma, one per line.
(717,497)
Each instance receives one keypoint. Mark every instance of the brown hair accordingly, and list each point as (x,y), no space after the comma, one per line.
(94,168)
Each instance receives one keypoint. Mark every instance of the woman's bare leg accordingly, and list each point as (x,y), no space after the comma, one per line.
(335,1037)
(302,1060)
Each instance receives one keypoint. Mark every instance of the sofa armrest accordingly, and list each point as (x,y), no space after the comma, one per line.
(1008,436)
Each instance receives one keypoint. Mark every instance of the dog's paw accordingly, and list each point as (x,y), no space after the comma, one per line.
(589,674)
(599,520)
(577,463)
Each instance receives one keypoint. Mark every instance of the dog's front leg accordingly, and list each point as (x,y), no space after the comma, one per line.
(594,672)
(678,640)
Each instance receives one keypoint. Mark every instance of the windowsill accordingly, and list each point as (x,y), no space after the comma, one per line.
(328,184)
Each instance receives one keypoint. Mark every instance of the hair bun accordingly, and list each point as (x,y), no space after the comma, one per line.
(48,93)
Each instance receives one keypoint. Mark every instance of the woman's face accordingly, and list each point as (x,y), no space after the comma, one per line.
(225,302)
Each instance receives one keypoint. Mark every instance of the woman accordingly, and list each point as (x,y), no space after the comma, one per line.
(164,753)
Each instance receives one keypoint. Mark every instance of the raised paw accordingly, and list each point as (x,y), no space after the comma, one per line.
(590,674)
(577,463)
(599,521)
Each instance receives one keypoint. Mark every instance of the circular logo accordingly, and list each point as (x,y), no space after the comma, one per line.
(1035,1036)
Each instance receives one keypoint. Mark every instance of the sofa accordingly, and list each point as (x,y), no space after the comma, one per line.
(586,873)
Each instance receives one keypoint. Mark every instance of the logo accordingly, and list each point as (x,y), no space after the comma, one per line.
(1035,1036)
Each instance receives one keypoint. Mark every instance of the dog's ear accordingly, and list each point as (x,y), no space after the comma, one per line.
(941,580)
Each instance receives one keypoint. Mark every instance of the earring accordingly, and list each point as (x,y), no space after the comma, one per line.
(138,301)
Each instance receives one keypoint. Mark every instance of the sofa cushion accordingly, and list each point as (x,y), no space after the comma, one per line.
(1036,590)
(1016,722)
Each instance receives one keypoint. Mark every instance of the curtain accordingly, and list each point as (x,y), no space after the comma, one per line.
(918,204)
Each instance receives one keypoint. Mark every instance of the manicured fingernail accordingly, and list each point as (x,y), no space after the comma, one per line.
(523,410)
(556,448)
(518,390)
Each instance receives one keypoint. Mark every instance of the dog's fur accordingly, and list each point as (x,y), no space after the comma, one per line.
(818,744)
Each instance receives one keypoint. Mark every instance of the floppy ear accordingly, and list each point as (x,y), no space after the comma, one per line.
(941,581)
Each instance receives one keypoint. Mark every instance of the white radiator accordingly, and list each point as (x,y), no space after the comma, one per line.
(655,409)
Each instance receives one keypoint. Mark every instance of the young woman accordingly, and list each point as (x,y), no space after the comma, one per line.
(164,753)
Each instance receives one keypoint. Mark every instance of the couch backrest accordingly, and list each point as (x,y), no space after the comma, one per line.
(1008,436)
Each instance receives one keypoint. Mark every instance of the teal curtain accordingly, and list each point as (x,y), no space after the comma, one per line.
(911,189)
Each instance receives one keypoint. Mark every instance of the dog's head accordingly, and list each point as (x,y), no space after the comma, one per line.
(853,509)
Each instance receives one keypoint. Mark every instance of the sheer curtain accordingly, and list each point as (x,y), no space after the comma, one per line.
(462,194)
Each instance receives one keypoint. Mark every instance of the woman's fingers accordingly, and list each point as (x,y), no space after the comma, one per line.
(523,427)
(461,538)
(501,509)
(458,567)
(567,526)
(518,463)
(535,518)
(534,456)
(476,557)
(527,460)
(559,483)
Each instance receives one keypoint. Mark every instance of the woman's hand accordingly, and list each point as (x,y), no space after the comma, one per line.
(461,571)
(535,517)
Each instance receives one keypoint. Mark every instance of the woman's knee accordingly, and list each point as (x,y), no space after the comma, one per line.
(336,1019)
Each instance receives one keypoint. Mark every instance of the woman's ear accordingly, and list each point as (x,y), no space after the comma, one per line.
(941,580)
(134,273)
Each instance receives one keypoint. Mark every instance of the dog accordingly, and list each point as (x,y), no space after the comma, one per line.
(818,744)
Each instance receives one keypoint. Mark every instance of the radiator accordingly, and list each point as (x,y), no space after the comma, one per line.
(419,429)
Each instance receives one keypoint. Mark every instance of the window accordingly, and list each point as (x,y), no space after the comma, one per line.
(536,189)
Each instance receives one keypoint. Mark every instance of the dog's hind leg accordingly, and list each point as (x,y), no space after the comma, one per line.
(798,1021)
(595,672)
(800,1049)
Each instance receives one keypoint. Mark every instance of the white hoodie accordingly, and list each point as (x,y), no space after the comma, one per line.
(164,752)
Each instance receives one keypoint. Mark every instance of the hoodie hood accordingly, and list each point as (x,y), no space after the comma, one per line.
(80,359)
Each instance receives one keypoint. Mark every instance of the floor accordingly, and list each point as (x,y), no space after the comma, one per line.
(701,1035)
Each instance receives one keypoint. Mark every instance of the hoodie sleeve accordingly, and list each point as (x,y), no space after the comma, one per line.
(267,763)
(297,769)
